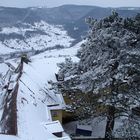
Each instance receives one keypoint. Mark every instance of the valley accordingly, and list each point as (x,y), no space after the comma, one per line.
(45,37)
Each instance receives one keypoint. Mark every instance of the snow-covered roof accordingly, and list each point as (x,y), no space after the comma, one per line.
(3,68)
(53,127)
(55,107)
(32,104)
(11,85)
(12,81)
(48,115)
(14,77)
(55,101)
(84,127)
(8,137)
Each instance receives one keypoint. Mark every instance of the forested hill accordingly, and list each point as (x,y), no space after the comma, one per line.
(71,16)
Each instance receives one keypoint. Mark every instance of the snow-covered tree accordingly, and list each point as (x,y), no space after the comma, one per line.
(108,73)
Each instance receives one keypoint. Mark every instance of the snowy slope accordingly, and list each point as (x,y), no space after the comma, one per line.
(39,35)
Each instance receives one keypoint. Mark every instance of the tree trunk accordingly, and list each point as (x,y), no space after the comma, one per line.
(110,122)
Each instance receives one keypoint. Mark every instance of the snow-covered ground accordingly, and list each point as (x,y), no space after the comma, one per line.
(4,49)
(38,36)
(32,112)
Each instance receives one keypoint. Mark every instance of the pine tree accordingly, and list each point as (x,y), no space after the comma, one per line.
(108,71)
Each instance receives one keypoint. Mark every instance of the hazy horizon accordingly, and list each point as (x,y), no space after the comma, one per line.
(56,3)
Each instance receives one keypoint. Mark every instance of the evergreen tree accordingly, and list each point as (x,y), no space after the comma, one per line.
(108,71)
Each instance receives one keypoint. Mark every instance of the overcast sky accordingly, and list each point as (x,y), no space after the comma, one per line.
(54,3)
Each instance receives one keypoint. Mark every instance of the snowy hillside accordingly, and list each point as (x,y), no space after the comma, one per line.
(37,36)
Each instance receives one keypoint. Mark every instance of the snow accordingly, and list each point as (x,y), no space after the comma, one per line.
(36,75)
(32,102)
(8,137)
(34,118)
(97,125)
(54,127)
(11,85)
(44,36)
(8,30)
(32,112)
(55,107)
(1,112)
(84,127)
(48,115)
(4,49)
(132,8)
(3,68)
